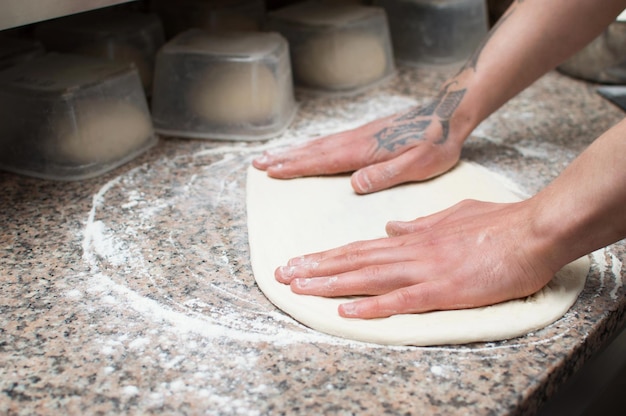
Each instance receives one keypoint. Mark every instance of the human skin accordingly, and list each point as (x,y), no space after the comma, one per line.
(474,253)
(477,253)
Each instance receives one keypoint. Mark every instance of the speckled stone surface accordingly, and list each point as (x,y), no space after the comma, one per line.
(132,293)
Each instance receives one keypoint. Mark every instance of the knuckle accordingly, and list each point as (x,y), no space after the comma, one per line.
(372,273)
(355,255)
(405,299)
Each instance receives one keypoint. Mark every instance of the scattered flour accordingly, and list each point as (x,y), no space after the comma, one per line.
(115,256)
(599,257)
(438,370)
(613,267)
(74,294)
(617,273)
(130,391)
(139,343)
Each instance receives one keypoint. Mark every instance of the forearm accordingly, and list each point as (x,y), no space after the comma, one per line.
(532,38)
(425,141)
(584,209)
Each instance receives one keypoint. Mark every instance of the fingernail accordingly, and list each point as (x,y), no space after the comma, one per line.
(392,228)
(287,271)
(264,158)
(296,261)
(362,181)
(302,283)
(302,264)
(349,309)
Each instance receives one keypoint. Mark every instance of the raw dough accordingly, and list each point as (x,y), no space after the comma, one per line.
(340,60)
(237,93)
(287,218)
(102,132)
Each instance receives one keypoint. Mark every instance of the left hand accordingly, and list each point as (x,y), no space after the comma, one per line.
(405,147)
(472,254)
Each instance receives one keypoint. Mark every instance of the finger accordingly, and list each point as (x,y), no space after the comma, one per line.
(363,245)
(337,153)
(421,162)
(353,260)
(316,162)
(398,228)
(309,265)
(264,161)
(463,210)
(328,156)
(418,298)
(268,159)
(303,150)
(372,280)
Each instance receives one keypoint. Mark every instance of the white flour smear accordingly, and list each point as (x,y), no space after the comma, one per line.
(617,273)
(168,241)
(599,257)
(608,263)
(207,326)
(129,218)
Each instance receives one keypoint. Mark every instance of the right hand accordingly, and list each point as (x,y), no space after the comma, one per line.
(469,255)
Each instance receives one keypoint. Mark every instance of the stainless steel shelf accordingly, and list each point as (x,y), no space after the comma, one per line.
(14,13)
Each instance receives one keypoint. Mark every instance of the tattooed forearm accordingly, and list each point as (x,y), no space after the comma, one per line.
(410,127)
(472,62)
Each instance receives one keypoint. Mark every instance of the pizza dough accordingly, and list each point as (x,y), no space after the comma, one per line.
(340,60)
(288,218)
(101,131)
(236,93)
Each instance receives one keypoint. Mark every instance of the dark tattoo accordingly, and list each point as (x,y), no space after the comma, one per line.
(445,127)
(449,103)
(411,125)
(429,110)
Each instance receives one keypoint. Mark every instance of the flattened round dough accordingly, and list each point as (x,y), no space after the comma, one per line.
(288,218)
(340,60)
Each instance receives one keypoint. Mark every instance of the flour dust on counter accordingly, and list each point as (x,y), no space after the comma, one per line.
(179,281)
(168,239)
(289,218)
(160,249)
(607,261)
(164,238)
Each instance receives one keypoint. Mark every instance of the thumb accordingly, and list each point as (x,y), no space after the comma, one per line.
(396,228)
(417,164)
(376,177)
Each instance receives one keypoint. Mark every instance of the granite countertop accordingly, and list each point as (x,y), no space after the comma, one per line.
(133,292)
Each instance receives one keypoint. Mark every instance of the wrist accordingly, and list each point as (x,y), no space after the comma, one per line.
(563,233)
(466,105)
(549,232)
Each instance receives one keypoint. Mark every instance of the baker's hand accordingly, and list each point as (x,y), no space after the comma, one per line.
(405,147)
(472,254)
